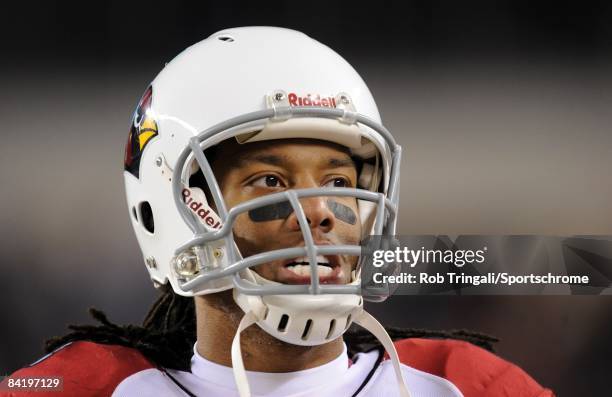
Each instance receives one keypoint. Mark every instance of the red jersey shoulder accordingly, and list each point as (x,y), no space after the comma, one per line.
(87,368)
(475,371)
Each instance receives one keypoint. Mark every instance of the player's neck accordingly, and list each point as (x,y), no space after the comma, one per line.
(217,320)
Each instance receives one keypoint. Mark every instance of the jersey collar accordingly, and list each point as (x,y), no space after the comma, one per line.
(263,383)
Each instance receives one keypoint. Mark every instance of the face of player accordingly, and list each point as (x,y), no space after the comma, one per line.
(256,169)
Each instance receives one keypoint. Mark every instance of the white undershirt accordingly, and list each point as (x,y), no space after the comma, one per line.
(268,383)
(333,379)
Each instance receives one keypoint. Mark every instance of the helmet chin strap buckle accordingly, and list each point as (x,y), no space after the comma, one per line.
(364,319)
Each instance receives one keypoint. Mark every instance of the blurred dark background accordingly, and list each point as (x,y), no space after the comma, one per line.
(502,107)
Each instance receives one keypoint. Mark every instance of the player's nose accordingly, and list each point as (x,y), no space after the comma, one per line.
(318,215)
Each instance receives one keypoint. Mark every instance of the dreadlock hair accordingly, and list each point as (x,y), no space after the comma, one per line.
(168,333)
(360,340)
(166,336)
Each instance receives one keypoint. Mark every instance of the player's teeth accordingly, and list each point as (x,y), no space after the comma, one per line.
(324,270)
(304,270)
(320,259)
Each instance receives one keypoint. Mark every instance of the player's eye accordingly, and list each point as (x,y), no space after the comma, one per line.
(338,182)
(268,181)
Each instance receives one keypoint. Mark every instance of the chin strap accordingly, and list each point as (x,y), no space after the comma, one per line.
(240,377)
(364,319)
(368,322)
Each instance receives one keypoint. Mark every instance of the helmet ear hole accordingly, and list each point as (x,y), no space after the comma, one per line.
(135,214)
(146,215)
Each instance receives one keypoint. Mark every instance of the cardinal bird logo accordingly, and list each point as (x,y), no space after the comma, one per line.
(142,130)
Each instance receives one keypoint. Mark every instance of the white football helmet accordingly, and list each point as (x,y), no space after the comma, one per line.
(255,84)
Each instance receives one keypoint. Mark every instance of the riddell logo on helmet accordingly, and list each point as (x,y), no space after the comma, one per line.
(311,100)
(198,206)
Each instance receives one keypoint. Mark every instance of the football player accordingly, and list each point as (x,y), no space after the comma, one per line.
(255,168)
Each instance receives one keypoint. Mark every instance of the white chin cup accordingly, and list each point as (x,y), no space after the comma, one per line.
(305,320)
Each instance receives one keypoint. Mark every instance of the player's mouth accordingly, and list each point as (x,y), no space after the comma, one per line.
(298,270)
